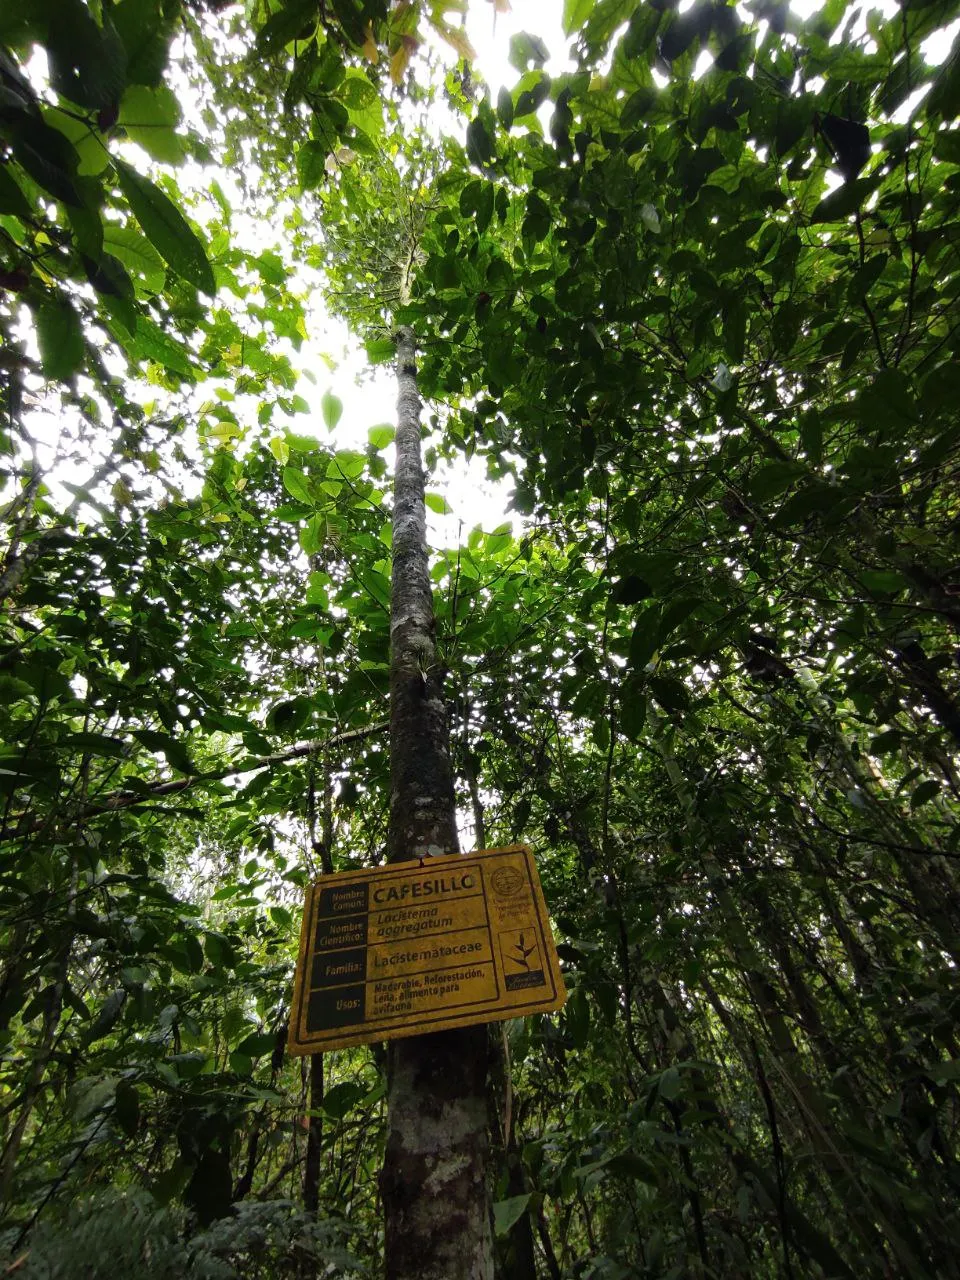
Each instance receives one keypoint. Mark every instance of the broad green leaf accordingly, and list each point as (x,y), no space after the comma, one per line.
(346,464)
(175,751)
(298,485)
(507,1213)
(382,436)
(499,540)
(846,200)
(577,1018)
(302,444)
(126,1107)
(438,504)
(773,478)
(575,14)
(60,339)
(150,342)
(290,715)
(926,791)
(380,350)
(47,156)
(480,147)
(280,450)
(88,61)
(166,228)
(12,199)
(526,48)
(219,950)
(331,407)
(505,107)
(91,149)
(945,94)
(882,581)
(339,1101)
(311,164)
(150,117)
(136,253)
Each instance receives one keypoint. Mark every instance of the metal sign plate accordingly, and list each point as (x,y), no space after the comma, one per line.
(416,947)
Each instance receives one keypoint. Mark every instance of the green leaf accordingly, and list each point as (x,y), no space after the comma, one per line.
(331,407)
(507,1213)
(312,537)
(499,540)
(256,1045)
(298,485)
(126,1107)
(47,156)
(846,200)
(643,641)
(150,342)
(672,694)
(382,436)
(505,107)
(12,199)
(145,29)
(166,228)
(773,478)
(575,14)
(944,97)
(298,18)
(627,1164)
(280,450)
(339,1101)
(926,791)
(882,582)
(480,148)
(136,253)
(88,62)
(577,1018)
(346,464)
(669,1084)
(484,207)
(60,339)
(525,48)
(380,350)
(150,117)
(536,223)
(302,444)
(866,277)
(633,708)
(87,230)
(92,153)
(219,950)
(289,716)
(107,1016)
(437,504)
(311,164)
(175,752)
(186,953)
(637,106)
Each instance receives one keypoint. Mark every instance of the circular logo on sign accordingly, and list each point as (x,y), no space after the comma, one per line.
(507,882)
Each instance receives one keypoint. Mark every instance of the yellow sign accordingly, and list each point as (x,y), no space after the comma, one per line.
(423,946)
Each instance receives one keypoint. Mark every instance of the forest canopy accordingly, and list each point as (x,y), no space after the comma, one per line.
(687,290)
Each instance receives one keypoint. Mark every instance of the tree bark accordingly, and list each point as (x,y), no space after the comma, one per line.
(433,1182)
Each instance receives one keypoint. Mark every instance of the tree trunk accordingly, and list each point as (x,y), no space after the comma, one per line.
(433,1182)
